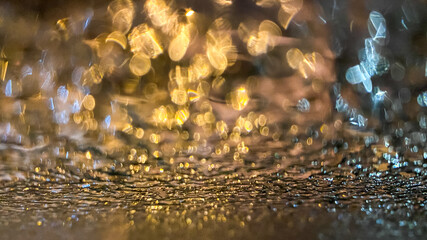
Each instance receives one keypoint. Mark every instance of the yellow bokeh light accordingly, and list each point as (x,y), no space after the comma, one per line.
(238,99)
(89,102)
(139,133)
(143,39)
(117,37)
(179,96)
(181,116)
(178,46)
(139,64)
(294,57)
(189,13)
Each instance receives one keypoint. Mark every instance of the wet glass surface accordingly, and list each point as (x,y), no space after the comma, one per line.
(224,119)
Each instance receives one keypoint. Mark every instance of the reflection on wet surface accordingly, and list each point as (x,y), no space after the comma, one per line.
(190,198)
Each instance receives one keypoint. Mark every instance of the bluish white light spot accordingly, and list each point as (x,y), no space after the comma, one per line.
(108,121)
(303,105)
(62,93)
(8,89)
(51,104)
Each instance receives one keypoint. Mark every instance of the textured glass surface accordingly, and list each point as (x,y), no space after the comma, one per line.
(213,119)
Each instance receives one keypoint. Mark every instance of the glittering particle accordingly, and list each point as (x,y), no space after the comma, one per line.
(285,18)
(162,15)
(189,13)
(143,40)
(248,126)
(377,26)
(178,46)
(122,14)
(182,116)
(148,110)
(62,93)
(303,105)
(89,102)
(262,120)
(139,64)
(76,107)
(117,37)
(179,96)
(139,133)
(264,40)
(358,74)
(127,128)
(107,121)
(222,128)
(26,71)
(291,6)
(62,25)
(238,99)
(361,121)
(368,85)
(354,75)
(294,57)
(265,131)
(422,99)
(88,155)
(217,58)
(379,96)
(154,138)
(8,89)
(200,67)
(3,66)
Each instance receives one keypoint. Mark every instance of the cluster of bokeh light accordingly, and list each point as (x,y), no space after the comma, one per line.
(147,80)
(158,79)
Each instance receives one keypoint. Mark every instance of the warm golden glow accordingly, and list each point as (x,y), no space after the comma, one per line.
(238,99)
(189,12)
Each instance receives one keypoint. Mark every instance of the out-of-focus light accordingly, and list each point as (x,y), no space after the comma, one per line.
(189,12)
